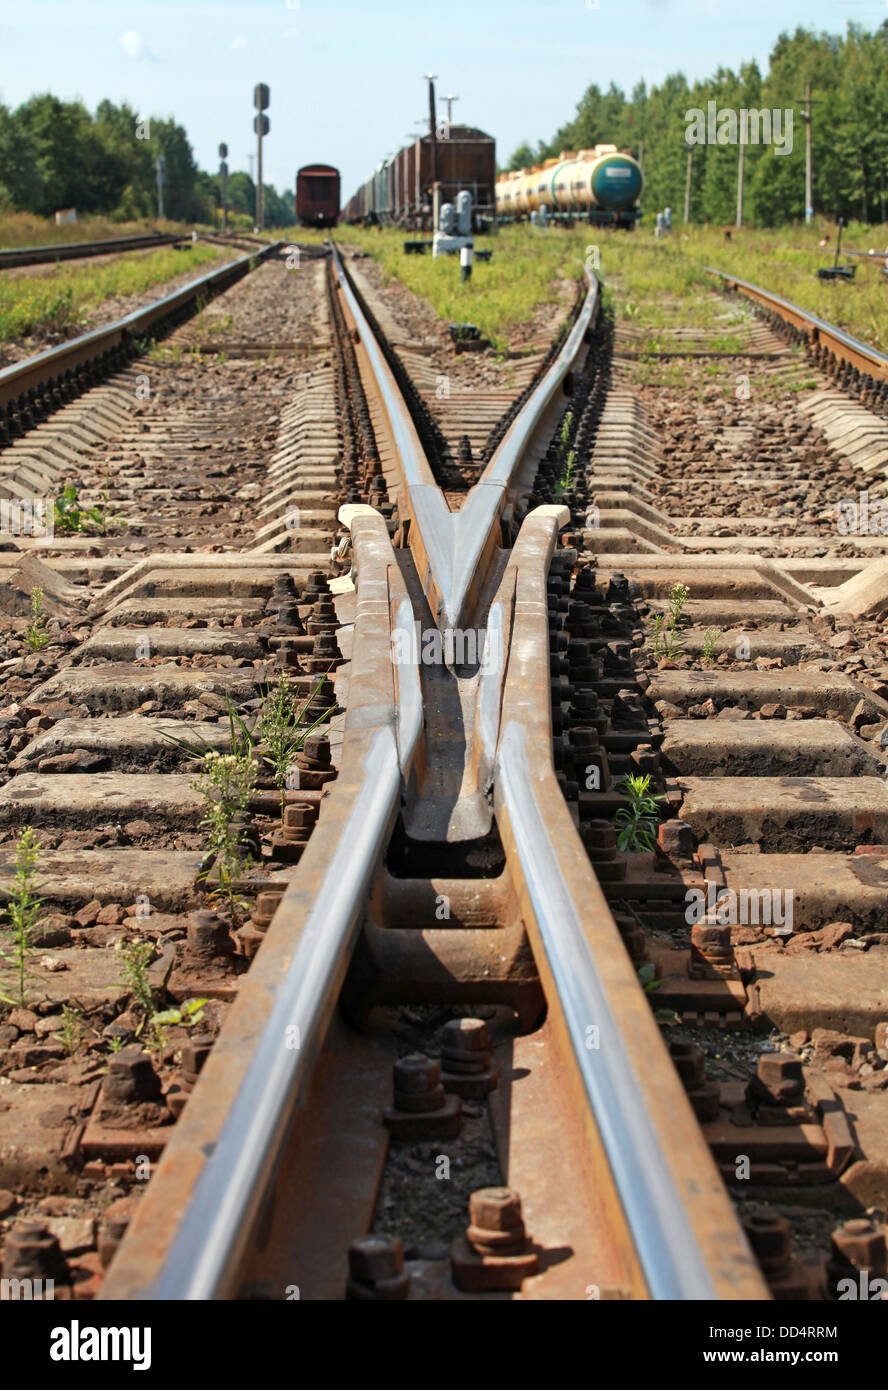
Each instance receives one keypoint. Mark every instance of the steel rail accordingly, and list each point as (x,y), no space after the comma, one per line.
(75,250)
(687,1240)
(455,547)
(861,355)
(312,936)
(48,367)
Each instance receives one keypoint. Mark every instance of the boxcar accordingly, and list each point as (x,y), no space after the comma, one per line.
(317,195)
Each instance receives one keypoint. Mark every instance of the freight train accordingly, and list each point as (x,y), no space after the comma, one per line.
(602,185)
(317,195)
(399,191)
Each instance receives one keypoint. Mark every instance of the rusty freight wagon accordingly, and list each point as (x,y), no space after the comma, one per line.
(399,191)
(317,195)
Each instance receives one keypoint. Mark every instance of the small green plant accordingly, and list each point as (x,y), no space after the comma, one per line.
(242,740)
(710,637)
(71,1031)
(136,956)
(22,910)
(647,977)
(281,729)
(566,455)
(667,639)
(71,518)
(639,819)
(190,1013)
(226,784)
(36,635)
(115,1045)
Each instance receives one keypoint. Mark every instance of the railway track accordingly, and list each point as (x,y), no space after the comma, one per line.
(14,256)
(425,1065)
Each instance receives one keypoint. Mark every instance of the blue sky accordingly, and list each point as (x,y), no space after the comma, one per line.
(346,79)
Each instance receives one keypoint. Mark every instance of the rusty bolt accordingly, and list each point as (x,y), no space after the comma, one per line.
(264,908)
(131,1078)
(689,1063)
(376,1269)
(116,1218)
(416,1074)
(31,1251)
(779,1078)
(208,934)
(495,1209)
(770,1236)
(677,837)
(862,1244)
(299,816)
(466,1035)
(375,1257)
(194,1053)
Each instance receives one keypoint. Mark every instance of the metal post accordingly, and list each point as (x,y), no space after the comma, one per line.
(433,136)
(223,184)
(740,179)
(260,209)
(160,164)
(688,184)
(809,189)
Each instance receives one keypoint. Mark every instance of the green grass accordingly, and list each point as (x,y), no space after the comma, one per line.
(666,281)
(58,302)
(27,229)
(503,294)
(656,285)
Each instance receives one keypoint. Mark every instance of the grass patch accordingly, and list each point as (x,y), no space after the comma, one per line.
(27,229)
(503,293)
(58,302)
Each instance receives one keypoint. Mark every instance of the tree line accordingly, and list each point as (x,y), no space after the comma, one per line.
(848,77)
(56,154)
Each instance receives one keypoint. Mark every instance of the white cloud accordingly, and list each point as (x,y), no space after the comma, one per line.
(131,42)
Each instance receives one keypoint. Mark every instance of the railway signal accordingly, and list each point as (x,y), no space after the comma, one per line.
(261,125)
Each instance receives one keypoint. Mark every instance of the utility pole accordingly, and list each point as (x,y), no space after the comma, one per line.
(688,184)
(223,184)
(261,99)
(252,160)
(160,165)
(436,191)
(740,178)
(809,182)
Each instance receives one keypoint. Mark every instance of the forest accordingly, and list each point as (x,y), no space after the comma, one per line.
(848,78)
(56,154)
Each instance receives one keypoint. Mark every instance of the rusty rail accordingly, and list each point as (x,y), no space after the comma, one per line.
(75,250)
(29,389)
(826,337)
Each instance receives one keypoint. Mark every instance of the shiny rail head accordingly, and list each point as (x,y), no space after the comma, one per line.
(861,349)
